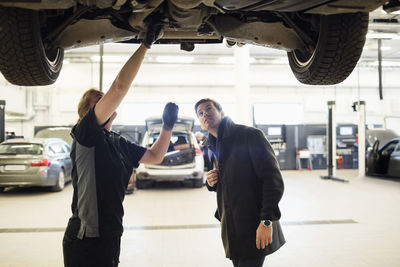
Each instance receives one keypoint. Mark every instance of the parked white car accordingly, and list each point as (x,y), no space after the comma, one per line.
(183,161)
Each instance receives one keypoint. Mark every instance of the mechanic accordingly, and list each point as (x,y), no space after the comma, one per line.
(248,183)
(102,164)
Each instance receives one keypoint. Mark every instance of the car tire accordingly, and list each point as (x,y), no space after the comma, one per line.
(24,60)
(143,184)
(339,44)
(60,184)
(198,183)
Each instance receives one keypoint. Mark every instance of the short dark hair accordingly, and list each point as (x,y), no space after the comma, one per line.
(201,101)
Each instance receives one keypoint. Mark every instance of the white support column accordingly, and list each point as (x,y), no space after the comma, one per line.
(361,139)
(244,113)
(333,104)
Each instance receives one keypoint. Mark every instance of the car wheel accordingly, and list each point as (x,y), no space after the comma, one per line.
(60,184)
(24,60)
(339,41)
(197,183)
(143,184)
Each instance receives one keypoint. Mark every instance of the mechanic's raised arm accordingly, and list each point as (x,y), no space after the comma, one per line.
(156,152)
(119,88)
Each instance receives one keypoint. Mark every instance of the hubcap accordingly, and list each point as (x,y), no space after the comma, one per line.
(61,179)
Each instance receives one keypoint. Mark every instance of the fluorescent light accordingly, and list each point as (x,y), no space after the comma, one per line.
(375,47)
(385,48)
(385,63)
(382,35)
(175,59)
(226,60)
(108,58)
(391,63)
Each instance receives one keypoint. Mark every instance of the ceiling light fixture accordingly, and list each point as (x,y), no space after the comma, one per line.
(226,60)
(174,59)
(108,58)
(382,35)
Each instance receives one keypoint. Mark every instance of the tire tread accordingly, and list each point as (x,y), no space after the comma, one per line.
(341,48)
(21,52)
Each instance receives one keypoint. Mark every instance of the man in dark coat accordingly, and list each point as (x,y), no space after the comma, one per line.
(249,186)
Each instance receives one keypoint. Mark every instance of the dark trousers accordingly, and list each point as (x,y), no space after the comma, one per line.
(91,252)
(255,262)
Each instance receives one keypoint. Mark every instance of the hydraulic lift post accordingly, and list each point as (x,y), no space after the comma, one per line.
(331,134)
(2,120)
(361,137)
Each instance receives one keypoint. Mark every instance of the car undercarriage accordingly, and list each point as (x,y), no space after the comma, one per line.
(323,39)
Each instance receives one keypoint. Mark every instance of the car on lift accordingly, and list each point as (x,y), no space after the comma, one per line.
(183,161)
(35,162)
(383,156)
(323,38)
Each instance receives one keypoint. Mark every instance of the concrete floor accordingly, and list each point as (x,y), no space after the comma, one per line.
(326,223)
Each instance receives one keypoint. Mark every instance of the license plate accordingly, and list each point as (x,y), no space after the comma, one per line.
(14,167)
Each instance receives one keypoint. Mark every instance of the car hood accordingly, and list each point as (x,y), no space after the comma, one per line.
(381,134)
(56,132)
(182,124)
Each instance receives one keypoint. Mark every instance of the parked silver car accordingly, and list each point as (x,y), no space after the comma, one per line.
(35,162)
(183,161)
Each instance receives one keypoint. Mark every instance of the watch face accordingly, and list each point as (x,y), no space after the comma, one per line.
(267,222)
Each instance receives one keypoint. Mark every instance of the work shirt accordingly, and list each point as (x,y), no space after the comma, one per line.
(103,162)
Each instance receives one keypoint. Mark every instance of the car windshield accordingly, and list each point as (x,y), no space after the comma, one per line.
(21,149)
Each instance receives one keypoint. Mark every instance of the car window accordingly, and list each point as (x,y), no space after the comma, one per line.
(56,148)
(21,149)
(179,140)
(67,148)
(390,147)
(397,149)
(152,139)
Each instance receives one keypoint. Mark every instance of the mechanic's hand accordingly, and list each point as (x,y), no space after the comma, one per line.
(155,31)
(263,236)
(212,177)
(170,115)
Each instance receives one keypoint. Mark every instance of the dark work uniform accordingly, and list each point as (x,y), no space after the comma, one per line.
(249,189)
(102,164)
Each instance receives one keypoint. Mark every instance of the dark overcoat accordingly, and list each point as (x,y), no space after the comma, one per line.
(249,188)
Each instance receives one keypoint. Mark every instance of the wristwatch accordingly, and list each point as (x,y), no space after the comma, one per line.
(266,222)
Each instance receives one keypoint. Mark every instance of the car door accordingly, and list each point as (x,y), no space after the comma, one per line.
(384,157)
(373,159)
(64,156)
(59,158)
(394,162)
(53,153)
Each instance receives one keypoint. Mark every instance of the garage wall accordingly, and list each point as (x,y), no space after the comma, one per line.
(187,83)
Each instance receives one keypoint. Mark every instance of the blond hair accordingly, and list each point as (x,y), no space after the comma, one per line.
(87,101)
